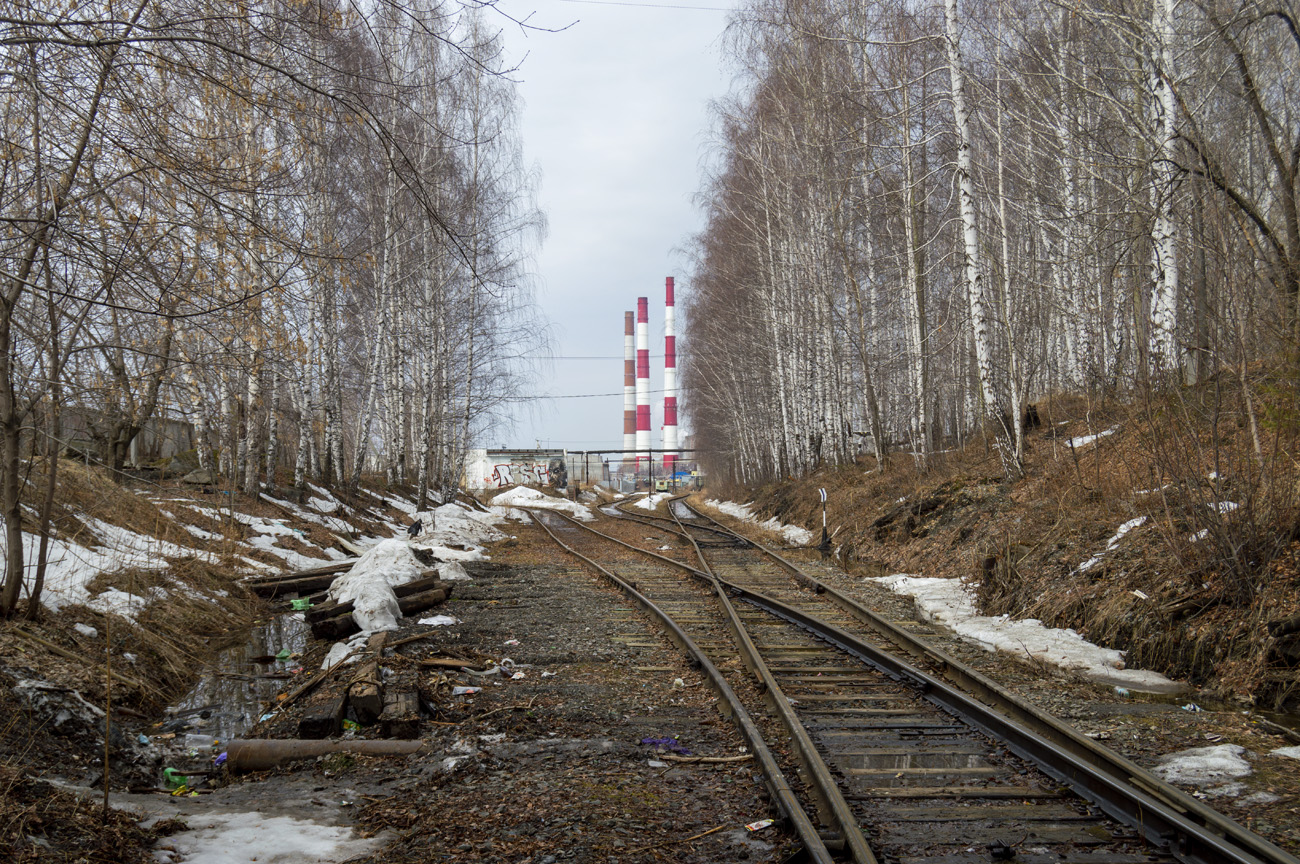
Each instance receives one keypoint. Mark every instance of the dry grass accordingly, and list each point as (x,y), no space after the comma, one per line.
(1020,545)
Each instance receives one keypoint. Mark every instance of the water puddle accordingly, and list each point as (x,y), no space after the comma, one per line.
(233,691)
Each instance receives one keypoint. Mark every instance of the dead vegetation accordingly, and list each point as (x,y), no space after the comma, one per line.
(1206,478)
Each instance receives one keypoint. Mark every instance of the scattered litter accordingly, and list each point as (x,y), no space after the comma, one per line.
(512,642)
(465,691)
(142,738)
(1191,706)
(678,683)
(283,655)
(759,825)
(85,630)
(517,676)
(1224,506)
(1140,595)
(1122,691)
(221,759)
(439,621)
(549,674)
(298,604)
(667,745)
(665,546)
(655,763)
(174,779)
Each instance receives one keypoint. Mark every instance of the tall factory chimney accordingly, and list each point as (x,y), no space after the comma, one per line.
(670,379)
(642,382)
(629,388)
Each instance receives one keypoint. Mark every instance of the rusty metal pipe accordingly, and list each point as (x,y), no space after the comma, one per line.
(265,754)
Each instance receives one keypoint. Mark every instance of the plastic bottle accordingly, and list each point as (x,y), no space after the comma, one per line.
(192,740)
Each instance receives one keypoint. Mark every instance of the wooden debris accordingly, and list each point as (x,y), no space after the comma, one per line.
(323,716)
(365,691)
(401,715)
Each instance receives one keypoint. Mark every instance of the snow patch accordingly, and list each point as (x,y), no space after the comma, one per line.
(1203,766)
(1289,752)
(238,838)
(1084,440)
(793,534)
(71,567)
(523,496)
(652,501)
(948,602)
(455,532)
(1111,544)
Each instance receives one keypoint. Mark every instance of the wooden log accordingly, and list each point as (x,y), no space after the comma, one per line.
(322,570)
(365,690)
(401,715)
(1284,626)
(428,580)
(449,663)
(343,624)
(323,715)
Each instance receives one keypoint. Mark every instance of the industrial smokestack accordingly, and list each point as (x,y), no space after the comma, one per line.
(629,388)
(670,378)
(642,382)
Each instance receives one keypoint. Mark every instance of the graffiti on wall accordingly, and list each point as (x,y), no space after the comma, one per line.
(526,473)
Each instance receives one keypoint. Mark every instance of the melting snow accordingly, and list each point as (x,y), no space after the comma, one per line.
(948,602)
(650,502)
(454,532)
(238,838)
(1111,544)
(1290,752)
(1084,440)
(523,496)
(792,533)
(1203,766)
(71,567)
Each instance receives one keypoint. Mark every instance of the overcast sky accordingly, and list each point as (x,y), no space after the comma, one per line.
(616,118)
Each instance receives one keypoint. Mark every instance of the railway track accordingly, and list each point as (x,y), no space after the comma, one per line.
(899,754)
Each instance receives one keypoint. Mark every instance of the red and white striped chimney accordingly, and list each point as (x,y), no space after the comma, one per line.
(629,388)
(670,378)
(643,382)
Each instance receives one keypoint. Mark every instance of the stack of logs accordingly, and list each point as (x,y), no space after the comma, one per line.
(330,620)
(394,705)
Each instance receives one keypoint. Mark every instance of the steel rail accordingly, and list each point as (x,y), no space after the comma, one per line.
(829,794)
(787,801)
(1116,772)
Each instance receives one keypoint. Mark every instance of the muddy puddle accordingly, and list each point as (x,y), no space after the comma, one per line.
(232,693)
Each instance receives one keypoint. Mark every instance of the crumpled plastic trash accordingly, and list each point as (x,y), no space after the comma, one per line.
(1191,706)
(671,745)
(220,760)
(465,691)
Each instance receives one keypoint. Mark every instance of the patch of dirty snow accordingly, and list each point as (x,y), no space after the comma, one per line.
(455,532)
(1224,506)
(513,514)
(523,496)
(85,630)
(340,650)
(793,534)
(293,558)
(948,602)
(71,567)
(240,838)
(392,501)
(1289,752)
(1111,544)
(652,501)
(200,533)
(369,584)
(1257,799)
(330,522)
(1206,767)
(1084,440)
(439,621)
(452,571)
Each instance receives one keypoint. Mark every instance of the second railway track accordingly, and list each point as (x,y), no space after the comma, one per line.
(895,763)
